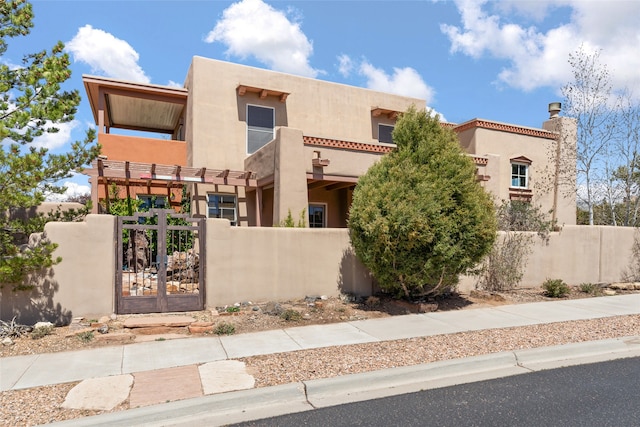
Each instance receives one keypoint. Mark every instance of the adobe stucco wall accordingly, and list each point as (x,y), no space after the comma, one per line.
(81,285)
(263,264)
(270,264)
(577,254)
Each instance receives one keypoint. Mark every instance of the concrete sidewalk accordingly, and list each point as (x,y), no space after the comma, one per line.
(182,362)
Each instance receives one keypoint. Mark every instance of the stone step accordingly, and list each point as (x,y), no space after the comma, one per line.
(158,322)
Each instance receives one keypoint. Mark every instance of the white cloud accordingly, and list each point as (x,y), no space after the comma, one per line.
(404,81)
(106,54)
(538,57)
(254,28)
(171,83)
(51,141)
(345,65)
(74,189)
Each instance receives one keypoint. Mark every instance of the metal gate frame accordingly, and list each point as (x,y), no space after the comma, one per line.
(162,301)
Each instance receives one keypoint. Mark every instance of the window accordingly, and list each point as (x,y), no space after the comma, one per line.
(317,216)
(222,206)
(519,175)
(384,133)
(152,201)
(260,124)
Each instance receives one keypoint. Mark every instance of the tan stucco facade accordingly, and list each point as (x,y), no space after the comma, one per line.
(261,264)
(325,136)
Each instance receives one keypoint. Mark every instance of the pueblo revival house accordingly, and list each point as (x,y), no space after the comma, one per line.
(254,146)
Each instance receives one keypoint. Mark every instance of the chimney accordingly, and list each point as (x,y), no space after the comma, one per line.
(554,109)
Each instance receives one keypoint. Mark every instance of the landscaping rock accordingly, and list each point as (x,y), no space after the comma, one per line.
(625,286)
(156,321)
(120,338)
(200,327)
(43,325)
(273,308)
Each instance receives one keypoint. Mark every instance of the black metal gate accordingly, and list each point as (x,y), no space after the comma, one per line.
(160,262)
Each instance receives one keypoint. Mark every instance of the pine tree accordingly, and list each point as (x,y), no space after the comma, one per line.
(32,103)
(418,217)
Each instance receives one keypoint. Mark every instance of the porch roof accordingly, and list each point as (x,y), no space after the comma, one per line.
(135,106)
(152,174)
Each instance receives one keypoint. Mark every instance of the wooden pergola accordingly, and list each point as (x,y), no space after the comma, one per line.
(153,175)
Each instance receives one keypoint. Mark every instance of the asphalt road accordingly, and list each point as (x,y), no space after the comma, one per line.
(601,394)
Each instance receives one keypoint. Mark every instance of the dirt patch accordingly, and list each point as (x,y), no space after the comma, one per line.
(248,317)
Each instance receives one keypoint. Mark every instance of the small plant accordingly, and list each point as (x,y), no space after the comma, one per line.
(86,336)
(160,339)
(291,315)
(590,288)
(224,328)
(372,302)
(13,329)
(289,222)
(41,331)
(232,309)
(555,288)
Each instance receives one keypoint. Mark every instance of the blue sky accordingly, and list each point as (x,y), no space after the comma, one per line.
(497,60)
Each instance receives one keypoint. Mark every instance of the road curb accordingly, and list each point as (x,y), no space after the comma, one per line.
(227,408)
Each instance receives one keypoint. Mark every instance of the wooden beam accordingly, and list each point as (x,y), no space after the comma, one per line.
(263,94)
(242,90)
(283,97)
(259,207)
(317,184)
(339,186)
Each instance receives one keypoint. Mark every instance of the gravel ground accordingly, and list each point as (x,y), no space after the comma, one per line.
(41,405)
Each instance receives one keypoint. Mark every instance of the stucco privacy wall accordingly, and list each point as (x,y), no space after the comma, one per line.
(271,264)
(577,254)
(81,285)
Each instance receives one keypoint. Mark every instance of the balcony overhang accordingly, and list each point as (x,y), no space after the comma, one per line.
(135,106)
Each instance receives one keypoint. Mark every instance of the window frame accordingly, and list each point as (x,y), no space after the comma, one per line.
(519,176)
(222,209)
(380,125)
(149,197)
(257,129)
(324,214)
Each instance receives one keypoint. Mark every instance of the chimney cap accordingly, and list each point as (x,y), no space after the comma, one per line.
(554,109)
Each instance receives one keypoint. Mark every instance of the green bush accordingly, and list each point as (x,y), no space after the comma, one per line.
(86,336)
(41,331)
(590,288)
(224,328)
(419,218)
(232,309)
(291,315)
(555,288)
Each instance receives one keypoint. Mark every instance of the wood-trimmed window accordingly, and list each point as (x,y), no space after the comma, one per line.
(385,133)
(260,125)
(519,175)
(222,206)
(152,201)
(317,215)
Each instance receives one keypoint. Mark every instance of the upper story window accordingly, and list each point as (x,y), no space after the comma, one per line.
(384,133)
(519,175)
(222,206)
(260,125)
